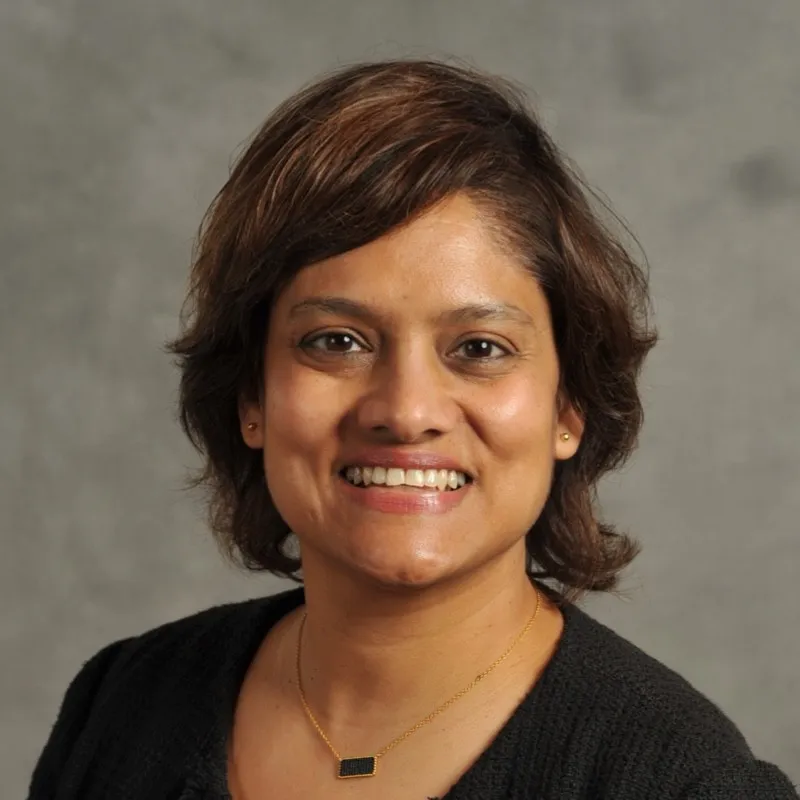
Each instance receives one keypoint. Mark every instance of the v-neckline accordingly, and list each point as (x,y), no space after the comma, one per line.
(208,771)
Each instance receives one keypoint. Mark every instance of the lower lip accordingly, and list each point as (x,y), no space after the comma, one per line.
(398,500)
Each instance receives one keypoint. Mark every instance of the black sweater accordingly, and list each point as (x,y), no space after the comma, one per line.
(148,718)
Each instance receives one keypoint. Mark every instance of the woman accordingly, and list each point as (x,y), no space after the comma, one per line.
(411,350)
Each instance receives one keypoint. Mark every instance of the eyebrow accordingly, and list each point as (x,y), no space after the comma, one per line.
(473,312)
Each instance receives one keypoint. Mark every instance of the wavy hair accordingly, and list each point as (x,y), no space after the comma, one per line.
(344,161)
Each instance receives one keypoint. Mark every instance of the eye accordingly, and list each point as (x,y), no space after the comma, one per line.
(482,350)
(333,342)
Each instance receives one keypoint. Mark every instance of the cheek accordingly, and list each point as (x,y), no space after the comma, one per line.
(518,435)
(517,420)
(299,443)
(300,416)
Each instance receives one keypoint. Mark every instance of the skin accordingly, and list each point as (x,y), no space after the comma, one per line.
(392,596)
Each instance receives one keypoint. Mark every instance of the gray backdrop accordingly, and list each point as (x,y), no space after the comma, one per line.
(118,122)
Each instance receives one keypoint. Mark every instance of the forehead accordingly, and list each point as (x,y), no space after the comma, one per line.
(446,258)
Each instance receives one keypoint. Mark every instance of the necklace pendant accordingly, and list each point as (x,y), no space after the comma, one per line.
(363,767)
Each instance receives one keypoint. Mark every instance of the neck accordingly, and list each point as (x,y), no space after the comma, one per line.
(376,659)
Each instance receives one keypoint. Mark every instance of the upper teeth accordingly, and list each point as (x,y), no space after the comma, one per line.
(434,478)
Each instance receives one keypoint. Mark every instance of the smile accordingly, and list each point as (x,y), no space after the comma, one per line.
(442,480)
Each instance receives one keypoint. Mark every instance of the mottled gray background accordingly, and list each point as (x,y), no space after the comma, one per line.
(118,122)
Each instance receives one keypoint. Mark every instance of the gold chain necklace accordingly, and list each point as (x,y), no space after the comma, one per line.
(365,766)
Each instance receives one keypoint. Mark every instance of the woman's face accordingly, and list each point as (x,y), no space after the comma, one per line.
(426,356)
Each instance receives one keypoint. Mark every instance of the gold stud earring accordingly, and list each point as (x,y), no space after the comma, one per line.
(251,426)
(565,437)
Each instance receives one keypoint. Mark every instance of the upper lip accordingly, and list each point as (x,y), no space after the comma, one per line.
(404,459)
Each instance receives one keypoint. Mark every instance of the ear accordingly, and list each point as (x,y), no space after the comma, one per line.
(251,424)
(568,431)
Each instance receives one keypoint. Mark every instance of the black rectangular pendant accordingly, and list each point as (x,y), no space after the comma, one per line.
(357,767)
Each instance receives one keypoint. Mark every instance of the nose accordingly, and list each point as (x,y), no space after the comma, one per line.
(410,397)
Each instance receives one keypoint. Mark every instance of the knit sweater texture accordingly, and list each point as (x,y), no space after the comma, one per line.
(148,718)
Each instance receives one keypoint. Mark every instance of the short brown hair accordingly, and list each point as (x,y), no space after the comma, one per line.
(342,162)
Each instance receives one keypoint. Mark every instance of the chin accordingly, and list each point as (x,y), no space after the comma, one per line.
(407,574)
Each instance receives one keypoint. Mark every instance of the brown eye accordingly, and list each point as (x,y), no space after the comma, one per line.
(482,349)
(333,342)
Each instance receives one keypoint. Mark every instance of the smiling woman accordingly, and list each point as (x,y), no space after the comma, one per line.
(411,349)
(342,179)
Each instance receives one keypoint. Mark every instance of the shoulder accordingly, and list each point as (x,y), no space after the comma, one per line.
(155,691)
(648,689)
(655,729)
(650,699)
(209,641)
